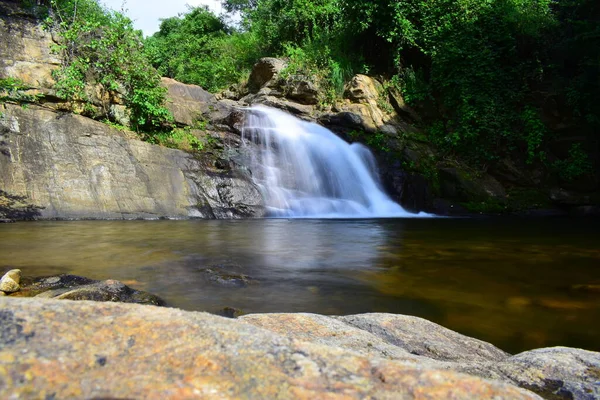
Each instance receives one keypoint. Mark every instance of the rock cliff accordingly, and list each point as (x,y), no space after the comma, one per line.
(57,164)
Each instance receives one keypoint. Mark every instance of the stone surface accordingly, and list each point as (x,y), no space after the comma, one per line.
(554,373)
(302,90)
(362,89)
(25,48)
(188,103)
(421,337)
(265,72)
(74,167)
(132,351)
(10,281)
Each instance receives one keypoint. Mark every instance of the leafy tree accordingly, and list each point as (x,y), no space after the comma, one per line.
(198,47)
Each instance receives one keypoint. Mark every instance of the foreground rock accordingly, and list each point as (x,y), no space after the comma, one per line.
(53,349)
(72,287)
(554,373)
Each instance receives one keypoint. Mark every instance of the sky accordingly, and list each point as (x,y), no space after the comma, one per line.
(146,13)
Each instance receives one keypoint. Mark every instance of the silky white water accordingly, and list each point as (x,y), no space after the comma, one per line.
(306,171)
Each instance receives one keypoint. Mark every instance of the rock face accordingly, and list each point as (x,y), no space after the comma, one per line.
(75,167)
(55,164)
(131,351)
(25,48)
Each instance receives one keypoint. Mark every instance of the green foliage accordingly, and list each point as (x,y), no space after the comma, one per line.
(198,48)
(377,140)
(100,48)
(534,132)
(178,138)
(576,165)
(11,89)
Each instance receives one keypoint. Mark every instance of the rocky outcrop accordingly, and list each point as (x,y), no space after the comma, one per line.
(72,287)
(132,351)
(188,103)
(74,167)
(265,73)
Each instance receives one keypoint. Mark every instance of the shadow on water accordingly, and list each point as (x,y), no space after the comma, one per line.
(519,284)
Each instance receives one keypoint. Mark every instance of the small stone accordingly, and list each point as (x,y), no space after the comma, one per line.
(10,281)
(2,294)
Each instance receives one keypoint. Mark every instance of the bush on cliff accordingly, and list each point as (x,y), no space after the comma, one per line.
(100,48)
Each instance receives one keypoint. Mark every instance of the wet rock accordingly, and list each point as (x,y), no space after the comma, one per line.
(230,312)
(462,186)
(73,287)
(222,275)
(10,281)
(132,351)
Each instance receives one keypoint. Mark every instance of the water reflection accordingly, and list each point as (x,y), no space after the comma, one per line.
(516,284)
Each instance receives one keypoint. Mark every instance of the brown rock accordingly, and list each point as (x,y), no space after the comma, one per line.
(363,89)
(188,103)
(108,350)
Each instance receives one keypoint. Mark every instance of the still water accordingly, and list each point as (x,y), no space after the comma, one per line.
(519,284)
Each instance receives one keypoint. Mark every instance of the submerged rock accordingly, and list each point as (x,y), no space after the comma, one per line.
(130,351)
(73,287)
(227,275)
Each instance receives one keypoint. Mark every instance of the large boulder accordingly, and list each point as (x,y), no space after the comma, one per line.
(366,96)
(57,349)
(187,103)
(70,166)
(265,73)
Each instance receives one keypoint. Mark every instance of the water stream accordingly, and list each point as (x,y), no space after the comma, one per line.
(305,171)
(519,284)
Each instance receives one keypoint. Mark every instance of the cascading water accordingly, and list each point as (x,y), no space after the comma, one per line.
(306,171)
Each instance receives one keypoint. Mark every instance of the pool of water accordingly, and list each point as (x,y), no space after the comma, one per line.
(519,284)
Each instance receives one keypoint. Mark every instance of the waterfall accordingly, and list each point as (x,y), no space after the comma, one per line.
(306,171)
